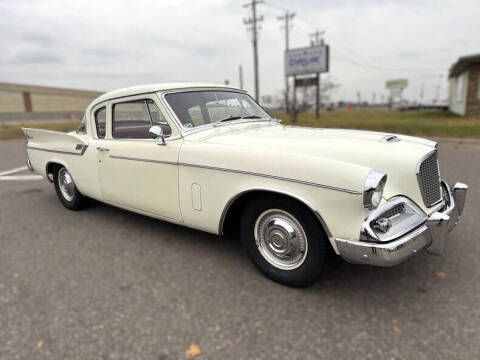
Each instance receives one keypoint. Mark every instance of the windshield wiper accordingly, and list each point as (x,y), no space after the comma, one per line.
(237,118)
(252,117)
(227,119)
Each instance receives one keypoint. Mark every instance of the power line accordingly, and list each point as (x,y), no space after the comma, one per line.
(353,55)
(378,68)
(269,4)
(349,55)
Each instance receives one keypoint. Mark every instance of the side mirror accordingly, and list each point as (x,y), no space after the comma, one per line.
(158,134)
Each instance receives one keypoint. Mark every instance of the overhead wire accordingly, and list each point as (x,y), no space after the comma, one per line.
(351,56)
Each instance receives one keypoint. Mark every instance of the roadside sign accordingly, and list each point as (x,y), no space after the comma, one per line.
(307,60)
(396,84)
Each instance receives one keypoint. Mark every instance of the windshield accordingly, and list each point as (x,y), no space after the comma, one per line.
(196,108)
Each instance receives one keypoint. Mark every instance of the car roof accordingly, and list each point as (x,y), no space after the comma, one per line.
(144,89)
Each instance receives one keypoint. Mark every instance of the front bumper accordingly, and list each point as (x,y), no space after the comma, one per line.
(429,235)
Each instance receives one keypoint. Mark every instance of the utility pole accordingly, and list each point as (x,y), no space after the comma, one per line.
(316,37)
(287,17)
(252,22)
(316,41)
(240,76)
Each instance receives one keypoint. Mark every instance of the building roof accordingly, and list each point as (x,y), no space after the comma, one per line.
(47,90)
(144,89)
(462,64)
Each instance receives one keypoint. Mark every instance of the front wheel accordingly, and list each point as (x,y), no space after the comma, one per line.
(66,190)
(284,240)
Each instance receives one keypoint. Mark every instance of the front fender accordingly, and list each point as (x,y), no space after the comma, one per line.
(341,213)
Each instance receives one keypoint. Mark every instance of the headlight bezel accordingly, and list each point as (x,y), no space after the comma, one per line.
(373,189)
(410,217)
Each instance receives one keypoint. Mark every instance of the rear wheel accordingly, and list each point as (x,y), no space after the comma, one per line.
(284,240)
(66,190)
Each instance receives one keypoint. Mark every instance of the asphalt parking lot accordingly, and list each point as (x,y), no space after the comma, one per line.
(104,283)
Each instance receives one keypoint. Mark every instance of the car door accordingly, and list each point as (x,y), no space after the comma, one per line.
(135,170)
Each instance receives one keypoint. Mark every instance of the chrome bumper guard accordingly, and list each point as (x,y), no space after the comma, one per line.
(29,164)
(430,235)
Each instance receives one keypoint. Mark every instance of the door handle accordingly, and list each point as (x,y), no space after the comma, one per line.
(99,148)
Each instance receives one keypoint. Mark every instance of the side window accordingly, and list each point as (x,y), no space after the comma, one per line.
(131,120)
(82,127)
(158,118)
(100,121)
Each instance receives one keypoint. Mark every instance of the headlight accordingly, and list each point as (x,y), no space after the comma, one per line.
(395,218)
(373,189)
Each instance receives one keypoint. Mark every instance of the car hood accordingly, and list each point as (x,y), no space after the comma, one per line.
(330,149)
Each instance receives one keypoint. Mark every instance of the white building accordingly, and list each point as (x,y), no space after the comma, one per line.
(464,86)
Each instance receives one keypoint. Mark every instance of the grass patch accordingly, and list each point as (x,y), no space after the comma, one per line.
(14,131)
(420,123)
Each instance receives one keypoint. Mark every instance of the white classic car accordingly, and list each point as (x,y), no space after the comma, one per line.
(209,157)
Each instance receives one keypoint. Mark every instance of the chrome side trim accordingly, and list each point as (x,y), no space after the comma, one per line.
(59,151)
(274,177)
(143,160)
(169,138)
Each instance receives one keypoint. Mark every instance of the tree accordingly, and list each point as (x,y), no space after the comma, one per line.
(306,96)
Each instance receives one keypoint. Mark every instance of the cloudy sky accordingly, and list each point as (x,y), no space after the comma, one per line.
(103,44)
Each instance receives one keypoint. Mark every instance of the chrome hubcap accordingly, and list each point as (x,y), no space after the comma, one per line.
(66,184)
(281,239)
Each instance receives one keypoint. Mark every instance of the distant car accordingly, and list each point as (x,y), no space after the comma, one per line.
(209,157)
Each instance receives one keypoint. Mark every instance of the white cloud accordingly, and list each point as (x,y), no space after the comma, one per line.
(109,44)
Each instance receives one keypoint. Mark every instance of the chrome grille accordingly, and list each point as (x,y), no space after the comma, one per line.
(429,180)
(395,210)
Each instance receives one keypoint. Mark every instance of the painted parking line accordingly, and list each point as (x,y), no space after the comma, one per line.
(21,177)
(13,171)
(7,175)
